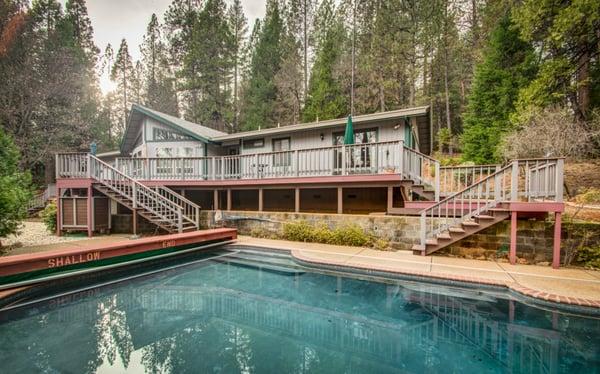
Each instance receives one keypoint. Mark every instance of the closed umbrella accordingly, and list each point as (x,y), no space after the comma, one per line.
(349,134)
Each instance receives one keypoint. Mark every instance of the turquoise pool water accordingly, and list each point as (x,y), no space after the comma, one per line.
(245,312)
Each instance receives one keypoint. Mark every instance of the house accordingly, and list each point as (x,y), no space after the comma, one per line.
(169,169)
(265,169)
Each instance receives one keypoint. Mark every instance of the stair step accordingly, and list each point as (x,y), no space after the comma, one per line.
(470,223)
(502,210)
(431,242)
(456,230)
(444,237)
(418,247)
(484,216)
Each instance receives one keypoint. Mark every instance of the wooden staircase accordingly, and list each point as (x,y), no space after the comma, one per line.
(486,202)
(466,228)
(164,208)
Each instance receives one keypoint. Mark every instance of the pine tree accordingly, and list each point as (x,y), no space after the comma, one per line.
(325,97)
(158,82)
(123,72)
(239,29)
(508,65)
(261,94)
(211,59)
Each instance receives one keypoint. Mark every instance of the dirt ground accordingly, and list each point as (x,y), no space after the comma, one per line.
(581,175)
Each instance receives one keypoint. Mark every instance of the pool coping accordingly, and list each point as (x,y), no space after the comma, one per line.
(302,257)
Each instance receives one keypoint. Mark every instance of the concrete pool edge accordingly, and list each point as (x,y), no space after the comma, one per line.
(335,261)
(29,266)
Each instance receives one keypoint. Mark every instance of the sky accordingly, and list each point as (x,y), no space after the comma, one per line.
(114,20)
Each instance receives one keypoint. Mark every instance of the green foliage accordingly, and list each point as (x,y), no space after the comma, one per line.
(589,257)
(15,189)
(508,65)
(48,216)
(350,235)
(261,93)
(325,97)
(589,196)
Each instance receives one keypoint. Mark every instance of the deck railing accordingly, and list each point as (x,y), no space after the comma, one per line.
(457,178)
(38,200)
(520,180)
(369,158)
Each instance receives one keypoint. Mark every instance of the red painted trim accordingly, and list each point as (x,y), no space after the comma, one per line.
(536,206)
(38,261)
(89,210)
(73,182)
(335,179)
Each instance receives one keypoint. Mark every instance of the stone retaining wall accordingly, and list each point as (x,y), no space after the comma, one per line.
(534,241)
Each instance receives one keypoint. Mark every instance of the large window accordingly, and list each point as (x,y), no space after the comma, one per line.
(159,134)
(171,164)
(284,158)
(357,157)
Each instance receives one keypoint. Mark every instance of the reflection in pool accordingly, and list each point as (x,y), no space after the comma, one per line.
(262,314)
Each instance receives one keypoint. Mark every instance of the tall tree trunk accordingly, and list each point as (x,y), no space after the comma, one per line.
(447,94)
(583,85)
(305,51)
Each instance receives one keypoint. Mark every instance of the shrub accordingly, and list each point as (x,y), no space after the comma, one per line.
(589,257)
(48,216)
(350,235)
(589,196)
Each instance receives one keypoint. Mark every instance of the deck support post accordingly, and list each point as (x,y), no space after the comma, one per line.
(59,212)
(215,199)
(135,222)
(512,256)
(260,199)
(390,198)
(297,200)
(556,248)
(340,200)
(228,199)
(90,203)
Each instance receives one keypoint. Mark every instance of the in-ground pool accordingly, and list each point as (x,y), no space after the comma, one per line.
(244,311)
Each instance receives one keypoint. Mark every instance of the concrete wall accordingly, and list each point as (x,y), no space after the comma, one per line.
(534,237)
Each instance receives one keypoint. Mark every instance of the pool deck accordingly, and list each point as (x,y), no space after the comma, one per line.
(572,286)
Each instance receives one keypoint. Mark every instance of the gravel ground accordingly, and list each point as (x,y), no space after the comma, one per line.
(35,233)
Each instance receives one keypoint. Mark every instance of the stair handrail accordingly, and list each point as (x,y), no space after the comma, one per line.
(191,210)
(413,167)
(484,194)
(141,195)
(495,190)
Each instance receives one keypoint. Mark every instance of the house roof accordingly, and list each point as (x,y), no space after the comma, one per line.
(356,120)
(191,129)
(206,134)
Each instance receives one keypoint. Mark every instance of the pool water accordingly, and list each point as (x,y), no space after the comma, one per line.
(249,312)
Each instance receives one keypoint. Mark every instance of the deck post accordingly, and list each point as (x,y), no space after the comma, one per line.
(89,209)
(135,222)
(296,163)
(514,182)
(260,200)
(215,199)
(401,158)
(556,247)
(343,160)
(297,200)
(214,168)
(437,181)
(59,212)
(390,198)
(340,200)
(560,167)
(512,256)
(228,199)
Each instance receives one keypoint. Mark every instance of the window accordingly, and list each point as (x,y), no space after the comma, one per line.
(171,163)
(358,157)
(284,158)
(254,143)
(159,134)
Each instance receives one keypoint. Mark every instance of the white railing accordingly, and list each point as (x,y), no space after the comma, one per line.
(520,180)
(370,158)
(422,169)
(457,178)
(142,197)
(190,209)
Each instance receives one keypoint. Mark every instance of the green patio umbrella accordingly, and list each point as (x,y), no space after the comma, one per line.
(349,134)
